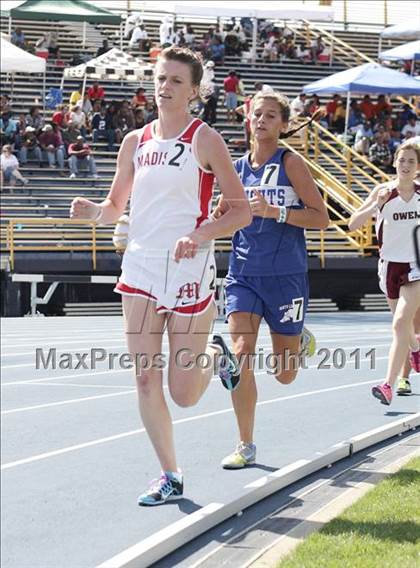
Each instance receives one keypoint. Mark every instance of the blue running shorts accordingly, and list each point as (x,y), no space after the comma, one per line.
(281,300)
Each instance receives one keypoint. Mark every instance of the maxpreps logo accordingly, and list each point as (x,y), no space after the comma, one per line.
(292,312)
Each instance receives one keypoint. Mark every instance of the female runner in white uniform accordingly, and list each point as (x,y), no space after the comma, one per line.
(168,268)
(397,209)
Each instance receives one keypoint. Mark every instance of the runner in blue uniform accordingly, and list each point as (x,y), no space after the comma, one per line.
(268,273)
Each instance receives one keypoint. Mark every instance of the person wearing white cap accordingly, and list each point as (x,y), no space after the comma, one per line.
(52,144)
(29,146)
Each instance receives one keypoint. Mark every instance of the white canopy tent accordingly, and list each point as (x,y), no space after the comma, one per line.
(114,64)
(16,60)
(407,32)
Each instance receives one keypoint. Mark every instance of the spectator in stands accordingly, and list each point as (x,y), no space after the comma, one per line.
(78,117)
(204,46)
(5,104)
(189,36)
(43,43)
(70,134)
(339,117)
(298,106)
(270,49)
(140,38)
(8,129)
(317,47)
(331,108)
(210,104)
(379,153)
(412,128)
(60,116)
(139,118)
(406,114)
(166,33)
(312,105)
(9,167)
(139,100)
(53,48)
(76,95)
(217,51)
(303,52)
(363,138)
(29,146)
(52,144)
(87,108)
(102,128)
(290,48)
(20,129)
(230,85)
(382,106)
(18,38)
(367,108)
(355,117)
(96,92)
(151,111)
(104,48)
(231,41)
(35,119)
(80,156)
(124,121)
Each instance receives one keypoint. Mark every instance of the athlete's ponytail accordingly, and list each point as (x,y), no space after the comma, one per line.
(284,106)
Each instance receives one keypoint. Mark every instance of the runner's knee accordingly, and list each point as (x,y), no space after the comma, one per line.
(286,377)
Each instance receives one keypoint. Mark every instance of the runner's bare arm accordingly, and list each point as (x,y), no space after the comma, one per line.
(214,156)
(366,210)
(114,204)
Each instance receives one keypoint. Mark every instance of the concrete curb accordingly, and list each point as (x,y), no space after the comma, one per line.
(165,541)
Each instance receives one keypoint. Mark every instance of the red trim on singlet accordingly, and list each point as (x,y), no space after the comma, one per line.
(188,135)
(195,308)
(145,135)
(205,192)
(130,290)
(394,193)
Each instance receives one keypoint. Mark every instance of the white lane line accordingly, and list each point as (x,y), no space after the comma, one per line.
(68,449)
(98,344)
(77,400)
(70,376)
(80,385)
(120,337)
(62,402)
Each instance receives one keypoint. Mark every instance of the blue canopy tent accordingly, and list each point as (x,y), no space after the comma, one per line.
(370,78)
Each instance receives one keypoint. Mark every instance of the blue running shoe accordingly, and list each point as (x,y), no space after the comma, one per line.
(229,372)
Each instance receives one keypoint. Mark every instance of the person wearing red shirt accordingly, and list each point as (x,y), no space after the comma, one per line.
(60,116)
(96,92)
(331,108)
(80,156)
(230,85)
(367,107)
(382,106)
(139,100)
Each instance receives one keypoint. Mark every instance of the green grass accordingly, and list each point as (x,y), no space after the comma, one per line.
(381,530)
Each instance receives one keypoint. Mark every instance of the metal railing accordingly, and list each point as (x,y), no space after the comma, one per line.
(321,144)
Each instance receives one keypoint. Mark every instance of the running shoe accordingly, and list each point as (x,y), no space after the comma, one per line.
(307,343)
(383,393)
(244,455)
(164,489)
(229,371)
(403,387)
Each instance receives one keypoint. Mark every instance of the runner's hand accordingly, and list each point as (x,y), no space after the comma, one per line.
(383,196)
(187,247)
(259,205)
(222,207)
(82,208)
